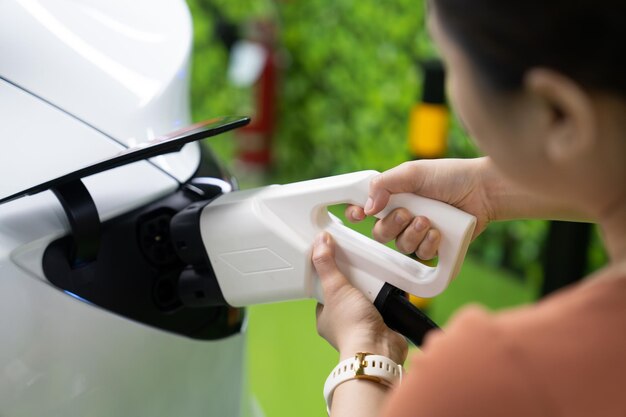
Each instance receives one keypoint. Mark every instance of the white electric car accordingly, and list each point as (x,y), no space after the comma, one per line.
(81,81)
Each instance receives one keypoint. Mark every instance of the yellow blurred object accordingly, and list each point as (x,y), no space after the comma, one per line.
(419,302)
(428,130)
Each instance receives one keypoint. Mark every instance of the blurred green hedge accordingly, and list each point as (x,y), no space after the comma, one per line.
(350,78)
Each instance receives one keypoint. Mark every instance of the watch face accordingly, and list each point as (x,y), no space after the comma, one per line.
(171,142)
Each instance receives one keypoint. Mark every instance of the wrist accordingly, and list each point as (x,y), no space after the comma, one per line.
(390,350)
(379,374)
(492,187)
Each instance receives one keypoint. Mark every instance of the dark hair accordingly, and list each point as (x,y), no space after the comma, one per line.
(583,39)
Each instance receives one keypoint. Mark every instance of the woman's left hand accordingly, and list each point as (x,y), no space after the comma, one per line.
(348,320)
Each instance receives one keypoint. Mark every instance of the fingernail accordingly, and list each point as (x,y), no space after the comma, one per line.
(368,205)
(399,218)
(420,225)
(356,214)
(431,236)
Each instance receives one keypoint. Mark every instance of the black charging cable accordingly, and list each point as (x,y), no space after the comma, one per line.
(402,316)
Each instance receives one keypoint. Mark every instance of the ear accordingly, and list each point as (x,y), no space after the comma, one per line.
(571,120)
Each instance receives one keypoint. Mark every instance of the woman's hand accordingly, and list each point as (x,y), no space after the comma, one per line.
(348,320)
(458,182)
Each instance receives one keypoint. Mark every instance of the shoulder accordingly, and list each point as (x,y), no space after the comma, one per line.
(563,355)
(570,313)
(473,325)
(469,370)
(472,336)
(615,272)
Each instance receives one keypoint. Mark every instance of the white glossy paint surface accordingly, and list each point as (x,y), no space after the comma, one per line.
(60,356)
(67,358)
(121,66)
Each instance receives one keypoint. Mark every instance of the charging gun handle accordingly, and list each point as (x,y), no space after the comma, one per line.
(369,264)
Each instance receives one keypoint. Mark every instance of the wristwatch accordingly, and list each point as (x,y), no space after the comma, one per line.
(363,365)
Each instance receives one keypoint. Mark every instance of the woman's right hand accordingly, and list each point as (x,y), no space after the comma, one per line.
(458,182)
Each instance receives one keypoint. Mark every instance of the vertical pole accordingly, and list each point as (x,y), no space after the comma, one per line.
(429,118)
(566,254)
(428,127)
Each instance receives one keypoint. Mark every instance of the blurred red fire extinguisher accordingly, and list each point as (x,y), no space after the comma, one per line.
(254,62)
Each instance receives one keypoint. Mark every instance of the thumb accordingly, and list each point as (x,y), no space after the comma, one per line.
(402,179)
(323,258)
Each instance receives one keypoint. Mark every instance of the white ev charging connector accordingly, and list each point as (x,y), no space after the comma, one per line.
(259,241)
(254,246)
(257,245)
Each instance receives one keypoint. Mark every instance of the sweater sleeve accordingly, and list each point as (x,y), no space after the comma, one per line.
(471,370)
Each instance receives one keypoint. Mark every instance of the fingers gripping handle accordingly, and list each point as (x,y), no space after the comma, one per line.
(369,264)
(456,227)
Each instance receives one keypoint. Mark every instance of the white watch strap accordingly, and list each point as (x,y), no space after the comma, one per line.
(363,365)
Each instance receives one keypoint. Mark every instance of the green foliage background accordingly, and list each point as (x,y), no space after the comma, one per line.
(350,76)
(349,79)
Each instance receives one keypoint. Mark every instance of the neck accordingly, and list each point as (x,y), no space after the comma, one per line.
(612,220)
